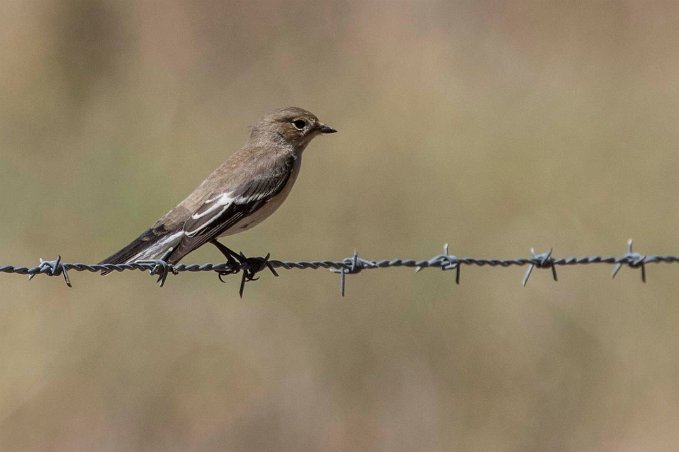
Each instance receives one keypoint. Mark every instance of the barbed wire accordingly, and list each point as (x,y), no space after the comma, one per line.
(250,267)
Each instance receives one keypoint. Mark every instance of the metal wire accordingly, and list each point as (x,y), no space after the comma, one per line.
(251,267)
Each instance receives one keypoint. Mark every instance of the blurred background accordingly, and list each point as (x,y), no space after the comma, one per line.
(496,126)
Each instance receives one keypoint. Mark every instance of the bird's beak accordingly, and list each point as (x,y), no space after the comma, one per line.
(326,128)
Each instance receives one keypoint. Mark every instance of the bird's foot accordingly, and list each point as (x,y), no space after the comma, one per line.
(232,258)
(249,266)
(253,265)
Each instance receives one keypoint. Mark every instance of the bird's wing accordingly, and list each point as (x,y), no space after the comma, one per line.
(224,208)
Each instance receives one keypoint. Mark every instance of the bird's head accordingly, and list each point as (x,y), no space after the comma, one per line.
(293,125)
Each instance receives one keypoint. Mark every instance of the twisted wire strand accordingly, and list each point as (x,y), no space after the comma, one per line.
(249,268)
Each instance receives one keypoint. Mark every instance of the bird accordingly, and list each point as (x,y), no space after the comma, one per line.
(242,192)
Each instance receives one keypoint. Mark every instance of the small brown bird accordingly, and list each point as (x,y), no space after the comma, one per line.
(244,190)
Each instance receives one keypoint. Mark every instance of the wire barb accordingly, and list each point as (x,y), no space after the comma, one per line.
(633,260)
(449,262)
(52,268)
(351,266)
(542,260)
(159,267)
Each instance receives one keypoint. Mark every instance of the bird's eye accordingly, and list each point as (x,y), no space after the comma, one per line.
(299,124)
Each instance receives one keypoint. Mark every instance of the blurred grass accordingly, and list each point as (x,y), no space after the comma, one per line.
(495,126)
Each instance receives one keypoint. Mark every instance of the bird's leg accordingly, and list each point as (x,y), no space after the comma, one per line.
(232,258)
(250,266)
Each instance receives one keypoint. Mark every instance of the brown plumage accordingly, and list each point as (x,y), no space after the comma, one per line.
(244,190)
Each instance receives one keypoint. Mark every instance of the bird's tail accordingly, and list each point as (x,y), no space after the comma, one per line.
(149,245)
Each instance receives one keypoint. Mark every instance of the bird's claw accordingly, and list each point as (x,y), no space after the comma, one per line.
(249,266)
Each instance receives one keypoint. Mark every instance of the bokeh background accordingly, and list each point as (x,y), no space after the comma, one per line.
(496,126)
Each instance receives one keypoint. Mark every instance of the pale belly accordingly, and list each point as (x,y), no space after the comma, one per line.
(267,209)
